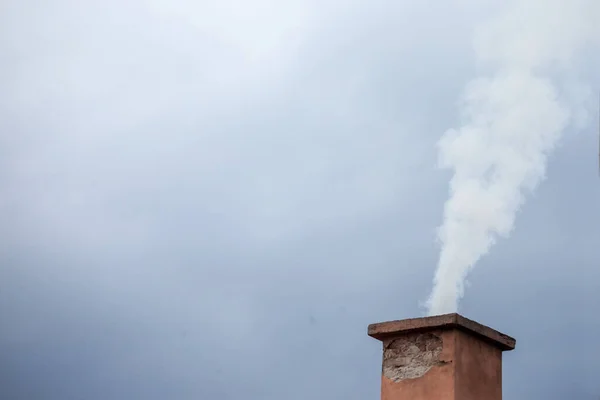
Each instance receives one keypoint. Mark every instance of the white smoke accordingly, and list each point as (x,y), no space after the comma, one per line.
(513,118)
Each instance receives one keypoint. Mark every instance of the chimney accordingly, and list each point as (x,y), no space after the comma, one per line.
(445,357)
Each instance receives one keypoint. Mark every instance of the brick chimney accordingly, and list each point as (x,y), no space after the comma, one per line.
(445,357)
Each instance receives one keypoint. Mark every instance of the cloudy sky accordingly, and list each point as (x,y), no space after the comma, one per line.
(213,199)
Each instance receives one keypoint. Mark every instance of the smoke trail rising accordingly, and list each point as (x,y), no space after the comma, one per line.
(512,120)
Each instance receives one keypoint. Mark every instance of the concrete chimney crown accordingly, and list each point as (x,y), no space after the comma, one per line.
(444,357)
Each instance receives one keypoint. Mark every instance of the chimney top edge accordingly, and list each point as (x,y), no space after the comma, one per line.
(385,330)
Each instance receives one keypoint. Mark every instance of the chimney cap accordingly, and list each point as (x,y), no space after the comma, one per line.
(384,330)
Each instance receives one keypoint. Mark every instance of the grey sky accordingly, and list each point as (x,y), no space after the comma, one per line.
(214,199)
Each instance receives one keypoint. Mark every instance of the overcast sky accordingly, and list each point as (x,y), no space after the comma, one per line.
(213,199)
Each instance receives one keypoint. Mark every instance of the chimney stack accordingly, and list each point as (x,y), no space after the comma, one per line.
(445,357)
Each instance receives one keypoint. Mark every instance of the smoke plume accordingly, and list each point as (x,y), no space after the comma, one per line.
(512,119)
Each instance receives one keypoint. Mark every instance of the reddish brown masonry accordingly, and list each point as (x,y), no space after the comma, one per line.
(444,357)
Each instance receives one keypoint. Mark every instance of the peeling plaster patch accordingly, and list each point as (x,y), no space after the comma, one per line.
(411,356)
